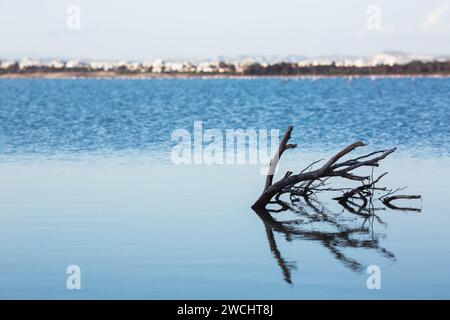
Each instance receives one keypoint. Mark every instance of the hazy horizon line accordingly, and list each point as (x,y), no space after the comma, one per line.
(222,56)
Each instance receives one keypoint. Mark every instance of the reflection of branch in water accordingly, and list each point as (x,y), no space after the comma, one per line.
(387,202)
(284,265)
(344,235)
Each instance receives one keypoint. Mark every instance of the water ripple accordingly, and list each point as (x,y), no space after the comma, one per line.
(78,117)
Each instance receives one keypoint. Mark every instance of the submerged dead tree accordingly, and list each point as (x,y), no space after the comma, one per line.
(309,182)
(352,228)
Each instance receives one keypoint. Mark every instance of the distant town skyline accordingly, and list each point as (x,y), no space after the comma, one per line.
(386,57)
(176,29)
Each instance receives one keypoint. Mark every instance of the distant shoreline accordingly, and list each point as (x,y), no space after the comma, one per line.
(143,76)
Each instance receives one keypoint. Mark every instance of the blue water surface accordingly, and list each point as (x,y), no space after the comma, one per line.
(77,116)
(86,179)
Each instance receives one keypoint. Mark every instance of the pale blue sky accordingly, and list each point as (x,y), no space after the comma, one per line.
(147,29)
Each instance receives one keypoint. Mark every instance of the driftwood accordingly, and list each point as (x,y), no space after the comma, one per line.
(310,182)
(340,231)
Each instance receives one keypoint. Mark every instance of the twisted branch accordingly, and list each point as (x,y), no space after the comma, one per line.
(301,183)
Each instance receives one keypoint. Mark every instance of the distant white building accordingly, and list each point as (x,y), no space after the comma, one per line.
(72,64)
(56,64)
(134,66)
(322,62)
(101,65)
(158,66)
(7,64)
(384,59)
(205,67)
(173,67)
(28,63)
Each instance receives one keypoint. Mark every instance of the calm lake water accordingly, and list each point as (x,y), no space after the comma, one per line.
(86,179)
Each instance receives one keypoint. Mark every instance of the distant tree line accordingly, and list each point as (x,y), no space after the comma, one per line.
(256,69)
(414,67)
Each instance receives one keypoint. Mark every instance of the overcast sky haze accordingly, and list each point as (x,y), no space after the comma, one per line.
(149,29)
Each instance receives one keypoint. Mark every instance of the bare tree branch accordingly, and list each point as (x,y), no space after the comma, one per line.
(274,162)
(301,184)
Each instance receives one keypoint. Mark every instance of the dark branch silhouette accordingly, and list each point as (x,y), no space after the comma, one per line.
(310,182)
(336,231)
